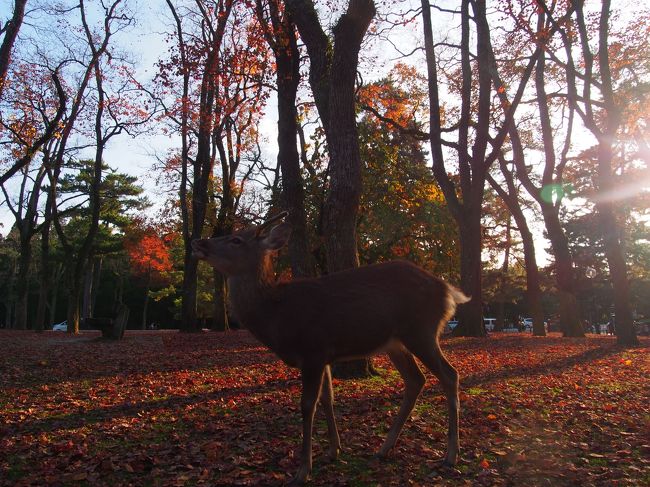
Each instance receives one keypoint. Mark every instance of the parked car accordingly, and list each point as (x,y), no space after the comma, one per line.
(489,323)
(451,324)
(528,325)
(63,326)
(642,327)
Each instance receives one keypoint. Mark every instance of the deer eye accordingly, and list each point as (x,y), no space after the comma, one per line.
(237,240)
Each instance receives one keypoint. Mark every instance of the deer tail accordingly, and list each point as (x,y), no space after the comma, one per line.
(454,297)
(457,295)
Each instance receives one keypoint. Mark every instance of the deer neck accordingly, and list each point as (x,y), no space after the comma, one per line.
(249,292)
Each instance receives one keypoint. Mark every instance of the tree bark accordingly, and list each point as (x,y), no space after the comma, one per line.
(287,58)
(22,284)
(74,298)
(342,203)
(88,281)
(45,271)
(11,33)
(613,243)
(533,291)
(503,278)
(470,318)
(569,312)
(611,226)
(472,167)
(145,305)
(220,303)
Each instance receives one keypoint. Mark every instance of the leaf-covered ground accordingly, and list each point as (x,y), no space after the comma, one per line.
(165,408)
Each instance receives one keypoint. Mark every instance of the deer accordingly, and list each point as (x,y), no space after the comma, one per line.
(394,307)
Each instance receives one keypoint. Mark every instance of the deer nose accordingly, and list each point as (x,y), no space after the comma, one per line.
(199,249)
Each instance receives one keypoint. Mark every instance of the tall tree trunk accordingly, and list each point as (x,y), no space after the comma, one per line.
(612,239)
(41,308)
(22,284)
(97,275)
(146,302)
(74,300)
(55,279)
(612,231)
(342,202)
(503,278)
(11,32)
(293,195)
(11,297)
(203,166)
(533,291)
(220,303)
(470,316)
(569,312)
(565,278)
(88,279)
(45,271)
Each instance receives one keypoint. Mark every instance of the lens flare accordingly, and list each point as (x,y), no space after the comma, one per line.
(623,191)
(553,192)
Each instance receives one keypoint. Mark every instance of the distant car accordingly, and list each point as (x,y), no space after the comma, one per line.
(528,324)
(489,323)
(642,327)
(451,324)
(63,326)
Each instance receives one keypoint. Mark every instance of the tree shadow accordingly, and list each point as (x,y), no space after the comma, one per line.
(100,414)
(552,366)
(35,360)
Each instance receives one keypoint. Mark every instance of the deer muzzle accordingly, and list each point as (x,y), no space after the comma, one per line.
(200,249)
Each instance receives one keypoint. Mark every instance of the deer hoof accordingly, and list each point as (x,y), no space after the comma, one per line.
(301,477)
(449,462)
(381,456)
(334,454)
(296,482)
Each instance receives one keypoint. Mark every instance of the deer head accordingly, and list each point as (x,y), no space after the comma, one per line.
(244,252)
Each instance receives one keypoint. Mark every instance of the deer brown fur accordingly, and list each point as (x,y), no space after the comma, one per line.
(394,307)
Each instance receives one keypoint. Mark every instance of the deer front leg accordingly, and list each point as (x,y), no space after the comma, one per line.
(312,379)
(327,401)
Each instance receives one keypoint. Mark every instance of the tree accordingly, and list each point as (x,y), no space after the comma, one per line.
(217,119)
(279,32)
(332,75)
(510,196)
(37,122)
(149,256)
(601,111)
(403,212)
(120,197)
(10,30)
(548,192)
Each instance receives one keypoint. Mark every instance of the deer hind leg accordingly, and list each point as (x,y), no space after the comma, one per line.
(312,379)
(413,382)
(327,401)
(427,350)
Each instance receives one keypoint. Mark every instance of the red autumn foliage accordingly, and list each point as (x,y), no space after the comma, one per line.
(165,408)
(149,254)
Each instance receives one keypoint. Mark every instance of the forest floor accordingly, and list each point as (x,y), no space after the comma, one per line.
(168,408)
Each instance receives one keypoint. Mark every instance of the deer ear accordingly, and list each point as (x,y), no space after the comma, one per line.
(277,237)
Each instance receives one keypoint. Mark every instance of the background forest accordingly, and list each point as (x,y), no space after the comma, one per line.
(502,145)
